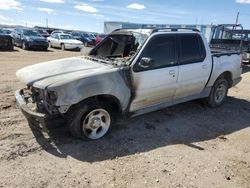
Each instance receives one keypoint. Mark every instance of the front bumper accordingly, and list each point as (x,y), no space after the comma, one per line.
(35,44)
(41,120)
(27,112)
(73,46)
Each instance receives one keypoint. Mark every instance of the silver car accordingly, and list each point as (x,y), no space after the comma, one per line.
(64,41)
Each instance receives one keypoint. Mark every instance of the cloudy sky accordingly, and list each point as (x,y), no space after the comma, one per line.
(89,15)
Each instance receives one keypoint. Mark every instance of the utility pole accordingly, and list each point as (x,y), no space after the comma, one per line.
(237,18)
(47,24)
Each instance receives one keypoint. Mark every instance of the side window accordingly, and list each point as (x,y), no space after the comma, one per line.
(192,49)
(161,50)
(52,36)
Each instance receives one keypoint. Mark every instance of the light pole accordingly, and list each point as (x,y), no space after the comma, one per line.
(237,18)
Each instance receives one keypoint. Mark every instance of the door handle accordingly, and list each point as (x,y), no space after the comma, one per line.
(172,72)
(204,66)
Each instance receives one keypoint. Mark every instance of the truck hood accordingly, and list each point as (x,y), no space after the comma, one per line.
(60,71)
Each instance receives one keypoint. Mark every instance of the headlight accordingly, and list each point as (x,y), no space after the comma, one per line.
(50,97)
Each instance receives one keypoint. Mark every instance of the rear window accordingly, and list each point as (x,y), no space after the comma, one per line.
(192,49)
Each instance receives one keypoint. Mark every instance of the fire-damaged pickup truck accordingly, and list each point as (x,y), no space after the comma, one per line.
(131,72)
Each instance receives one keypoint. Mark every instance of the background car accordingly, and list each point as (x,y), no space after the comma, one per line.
(6,42)
(84,37)
(99,38)
(28,38)
(64,41)
(44,33)
(7,30)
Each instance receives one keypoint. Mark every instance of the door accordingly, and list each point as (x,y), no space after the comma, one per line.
(54,40)
(155,81)
(194,65)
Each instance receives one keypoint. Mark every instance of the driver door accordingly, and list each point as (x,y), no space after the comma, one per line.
(156,82)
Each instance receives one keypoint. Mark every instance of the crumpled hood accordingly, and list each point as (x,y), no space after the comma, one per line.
(60,71)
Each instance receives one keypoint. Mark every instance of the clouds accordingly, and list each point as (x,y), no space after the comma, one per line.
(53,1)
(47,10)
(243,1)
(86,8)
(10,4)
(5,19)
(136,6)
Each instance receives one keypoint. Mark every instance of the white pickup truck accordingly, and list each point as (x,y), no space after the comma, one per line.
(131,72)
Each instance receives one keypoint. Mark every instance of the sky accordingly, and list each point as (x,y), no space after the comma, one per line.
(89,15)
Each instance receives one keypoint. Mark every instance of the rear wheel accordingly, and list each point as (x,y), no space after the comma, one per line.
(218,93)
(90,121)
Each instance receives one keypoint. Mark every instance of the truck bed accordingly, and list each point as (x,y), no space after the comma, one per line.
(222,51)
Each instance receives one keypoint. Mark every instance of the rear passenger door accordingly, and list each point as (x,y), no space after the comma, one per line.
(194,65)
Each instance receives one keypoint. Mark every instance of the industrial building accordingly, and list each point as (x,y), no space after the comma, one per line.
(111,26)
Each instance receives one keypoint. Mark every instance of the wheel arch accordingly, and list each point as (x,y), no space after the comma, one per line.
(104,99)
(228,76)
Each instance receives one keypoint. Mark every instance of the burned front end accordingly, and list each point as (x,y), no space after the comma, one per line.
(37,105)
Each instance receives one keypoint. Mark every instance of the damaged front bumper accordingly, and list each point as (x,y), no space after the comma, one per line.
(39,119)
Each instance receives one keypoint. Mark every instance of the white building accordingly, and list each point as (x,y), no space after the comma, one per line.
(111,26)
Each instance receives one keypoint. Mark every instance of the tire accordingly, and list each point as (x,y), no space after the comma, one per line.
(11,47)
(90,121)
(63,47)
(45,49)
(218,93)
(24,46)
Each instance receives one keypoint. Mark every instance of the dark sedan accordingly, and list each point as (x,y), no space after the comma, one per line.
(5,41)
(28,38)
(85,38)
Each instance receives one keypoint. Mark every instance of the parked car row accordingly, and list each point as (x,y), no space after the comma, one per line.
(36,38)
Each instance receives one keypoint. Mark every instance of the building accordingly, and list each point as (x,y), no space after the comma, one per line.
(111,26)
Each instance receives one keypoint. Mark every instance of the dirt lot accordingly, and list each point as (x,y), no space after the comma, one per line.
(188,145)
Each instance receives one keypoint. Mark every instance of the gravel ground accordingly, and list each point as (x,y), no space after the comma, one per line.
(187,145)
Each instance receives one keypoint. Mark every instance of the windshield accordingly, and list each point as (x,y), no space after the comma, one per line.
(42,32)
(2,32)
(66,37)
(119,45)
(30,33)
(85,35)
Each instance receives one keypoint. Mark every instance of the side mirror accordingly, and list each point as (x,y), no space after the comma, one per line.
(145,62)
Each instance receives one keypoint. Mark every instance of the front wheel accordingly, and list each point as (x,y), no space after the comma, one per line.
(50,46)
(63,47)
(90,121)
(24,46)
(218,93)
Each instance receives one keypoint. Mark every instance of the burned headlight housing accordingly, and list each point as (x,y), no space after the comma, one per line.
(50,97)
